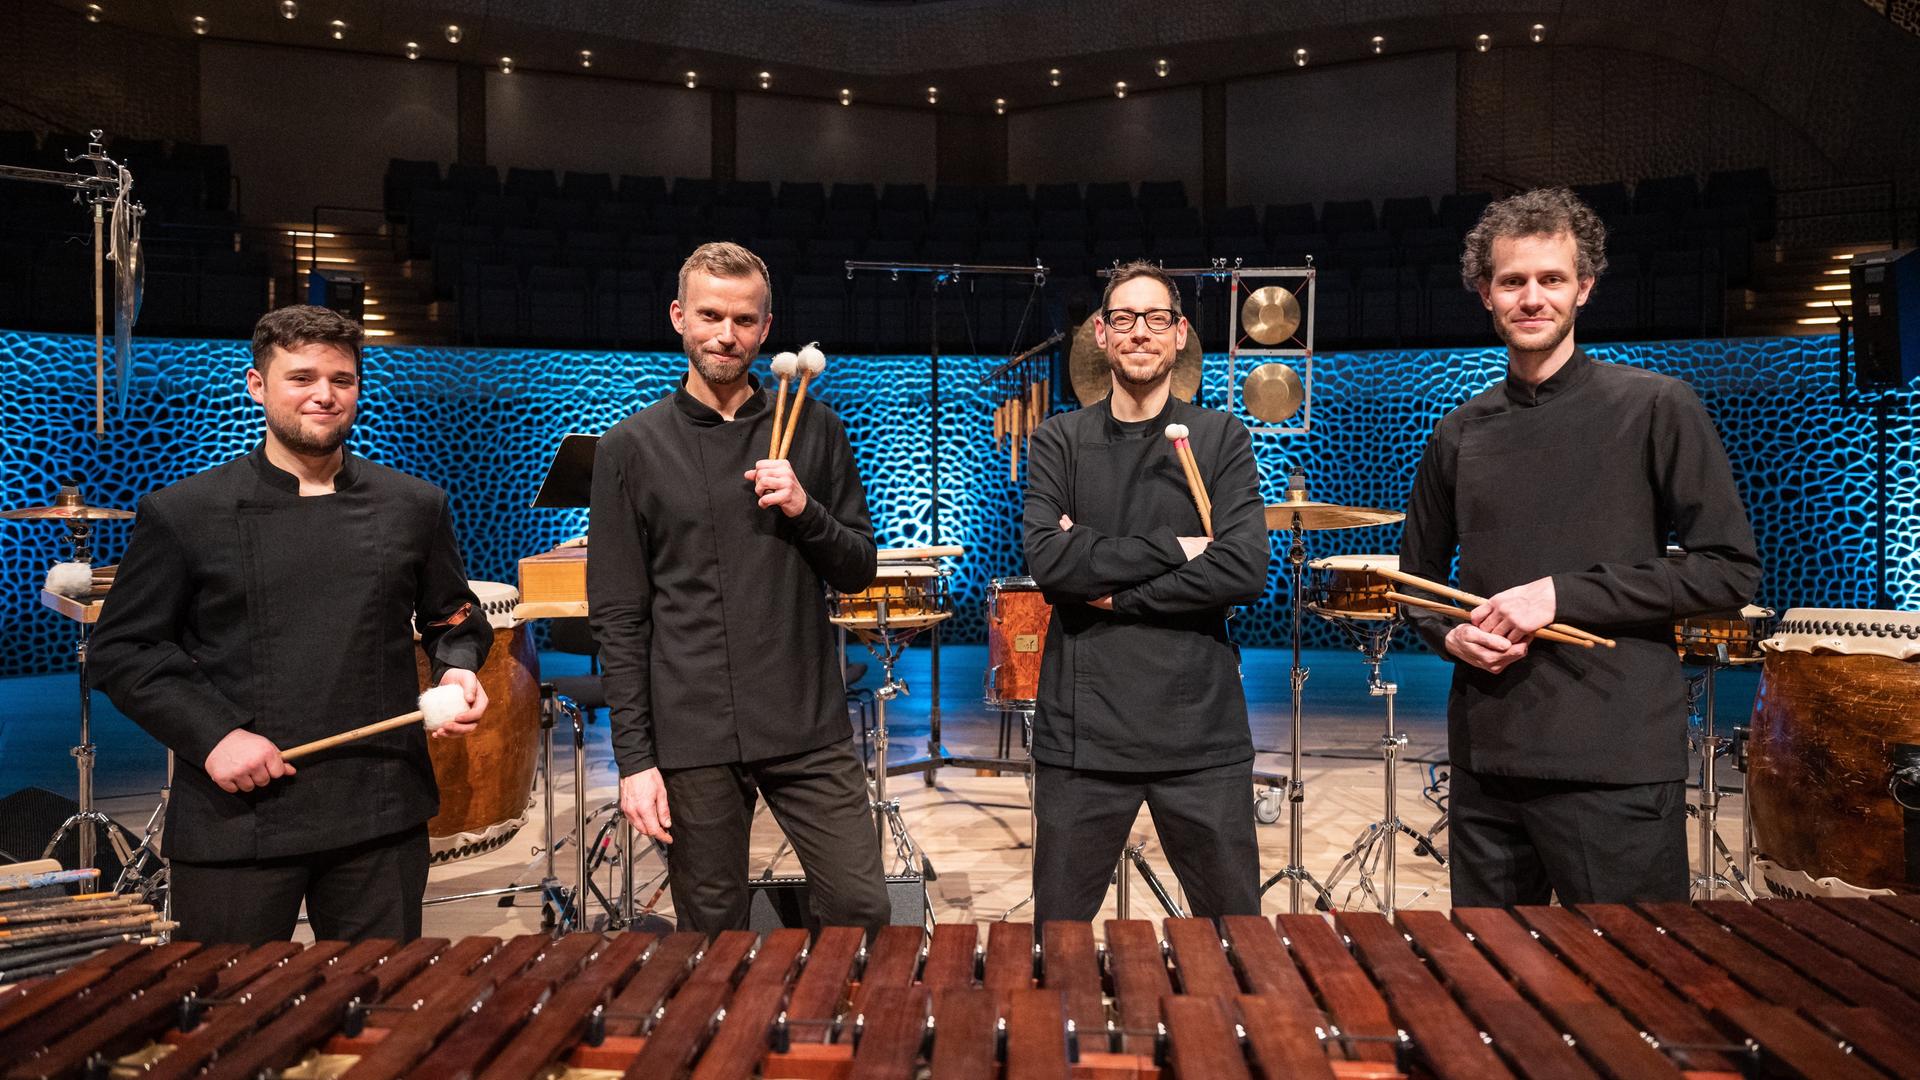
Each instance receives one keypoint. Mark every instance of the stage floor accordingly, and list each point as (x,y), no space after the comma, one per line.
(973,828)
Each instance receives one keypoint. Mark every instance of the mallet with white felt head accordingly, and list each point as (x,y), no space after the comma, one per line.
(784,366)
(438,707)
(812,363)
(1177,435)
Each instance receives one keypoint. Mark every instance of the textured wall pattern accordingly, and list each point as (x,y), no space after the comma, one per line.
(481,423)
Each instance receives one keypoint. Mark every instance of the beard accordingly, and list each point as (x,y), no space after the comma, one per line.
(287,428)
(1540,341)
(718,369)
(1136,376)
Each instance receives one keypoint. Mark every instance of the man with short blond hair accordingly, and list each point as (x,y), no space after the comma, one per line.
(1560,488)
(722,671)
(1140,698)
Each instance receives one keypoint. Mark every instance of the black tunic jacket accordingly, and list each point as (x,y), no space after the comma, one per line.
(708,609)
(1583,478)
(1154,684)
(242,604)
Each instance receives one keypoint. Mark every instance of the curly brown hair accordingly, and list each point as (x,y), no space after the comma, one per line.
(1541,212)
(304,324)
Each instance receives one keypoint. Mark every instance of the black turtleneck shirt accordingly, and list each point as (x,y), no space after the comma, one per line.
(1583,479)
(709,610)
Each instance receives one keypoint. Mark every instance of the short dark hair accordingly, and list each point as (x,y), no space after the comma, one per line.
(303,324)
(1541,212)
(1140,268)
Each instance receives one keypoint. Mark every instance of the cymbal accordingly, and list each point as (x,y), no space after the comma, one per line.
(1272,392)
(1270,314)
(1319,516)
(1093,376)
(65,513)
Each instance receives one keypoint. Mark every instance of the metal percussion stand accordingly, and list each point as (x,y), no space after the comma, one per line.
(1718,869)
(1376,844)
(886,645)
(1294,873)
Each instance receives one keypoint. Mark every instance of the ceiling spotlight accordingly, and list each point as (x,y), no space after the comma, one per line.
(1120,89)
(1053,76)
(1538,32)
(846,96)
(1379,44)
(1482,43)
(200,25)
(766,80)
(933,95)
(999,106)
(289,9)
(586,58)
(93,13)
(1160,67)
(453,34)
(692,80)
(413,50)
(339,30)
(506,65)
(1299,58)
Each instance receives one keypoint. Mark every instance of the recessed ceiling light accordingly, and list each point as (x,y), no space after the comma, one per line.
(766,80)
(1379,44)
(289,9)
(412,50)
(846,96)
(692,79)
(586,58)
(1053,76)
(506,65)
(933,95)
(1538,32)
(1299,58)
(1482,43)
(453,34)
(1120,89)
(339,30)
(200,25)
(999,106)
(94,13)
(1160,67)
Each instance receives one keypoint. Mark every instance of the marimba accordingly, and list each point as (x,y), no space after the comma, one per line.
(1826,988)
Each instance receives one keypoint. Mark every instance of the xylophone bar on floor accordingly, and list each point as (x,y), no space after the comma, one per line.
(1793,988)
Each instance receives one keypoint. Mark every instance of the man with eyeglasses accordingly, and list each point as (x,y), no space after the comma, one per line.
(1140,697)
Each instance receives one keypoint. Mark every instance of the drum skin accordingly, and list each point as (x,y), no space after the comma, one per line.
(1017,620)
(1825,727)
(486,777)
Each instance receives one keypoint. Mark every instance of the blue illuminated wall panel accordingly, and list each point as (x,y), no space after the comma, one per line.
(482,423)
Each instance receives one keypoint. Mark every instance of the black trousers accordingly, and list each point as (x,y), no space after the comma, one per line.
(819,798)
(1522,841)
(367,890)
(1204,818)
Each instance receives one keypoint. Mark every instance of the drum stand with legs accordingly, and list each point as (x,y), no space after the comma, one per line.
(886,643)
(1376,844)
(1718,870)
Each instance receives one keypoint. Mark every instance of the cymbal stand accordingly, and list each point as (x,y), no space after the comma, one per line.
(1377,843)
(145,874)
(86,819)
(1294,873)
(1123,893)
(1718,870)
(1033,819)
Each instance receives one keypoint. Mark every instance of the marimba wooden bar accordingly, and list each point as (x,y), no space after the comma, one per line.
(1827,988)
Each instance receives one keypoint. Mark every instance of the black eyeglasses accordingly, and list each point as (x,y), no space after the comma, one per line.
(1159,320)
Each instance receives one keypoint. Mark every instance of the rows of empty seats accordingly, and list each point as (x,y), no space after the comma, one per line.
(202,274)
(535,256)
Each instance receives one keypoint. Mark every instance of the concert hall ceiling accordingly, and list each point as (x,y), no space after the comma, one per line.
(977,51)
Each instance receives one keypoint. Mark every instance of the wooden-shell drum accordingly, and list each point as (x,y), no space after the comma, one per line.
(486,778)
(1017,620)
(906,597)
(1343,589)
(1699,638)
(1834,754)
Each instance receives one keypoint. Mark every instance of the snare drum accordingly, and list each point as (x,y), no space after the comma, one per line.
(1017,620)
(905,597)
(1700,637)
(1836,721)
(1341,589)
(486,778)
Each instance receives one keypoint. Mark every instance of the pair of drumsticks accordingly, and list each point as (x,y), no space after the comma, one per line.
(807,363)
(1560,632)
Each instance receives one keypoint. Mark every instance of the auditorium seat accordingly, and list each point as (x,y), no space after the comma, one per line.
(1455,314)
(804,195)
(643,189)
(590,249)
(817,304)
(859,197)
(907,198)
(1289,219)
(587,187)
(1063,225)
(1007,197)
(1162,195)
(897,225)
(1047,197)
(557,304)
(473,180)
(756,194)
(1684,292)
(1666,195)
(621,216)
(1610,200)
(1343,216)
(552,212)
(1613,309)
(1333,308)
(791,222)
(1461,211)
(1403,214)
(736,223)
(1112,195)
(402,179)
(627,309)
(531,184)
(693,191)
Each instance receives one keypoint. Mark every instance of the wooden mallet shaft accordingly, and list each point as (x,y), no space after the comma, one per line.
(1463,615)
(1464,597)
(358,733)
